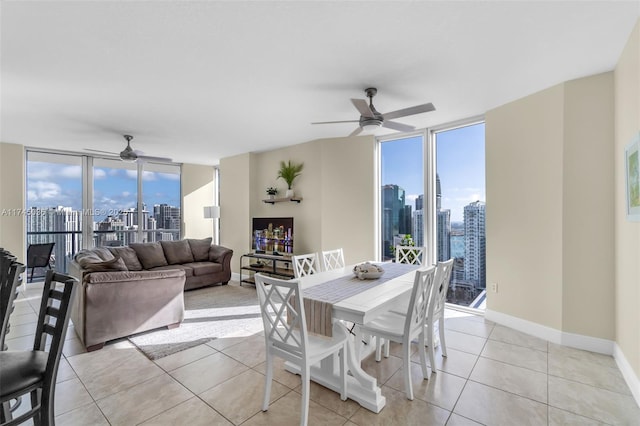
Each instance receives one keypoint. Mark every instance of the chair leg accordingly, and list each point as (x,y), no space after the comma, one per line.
(343,373)
(378,348)
(432,359)
(406,360)
(423,357)
(387,345)
(306,377)
(267,382)
(443,345)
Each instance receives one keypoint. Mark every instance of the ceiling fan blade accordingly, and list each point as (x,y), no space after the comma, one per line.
(333,122)
(160,159)
(397,126)
(418,109)
(362,106)
(356,131)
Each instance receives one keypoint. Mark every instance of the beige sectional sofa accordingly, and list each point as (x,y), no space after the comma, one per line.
(128,290)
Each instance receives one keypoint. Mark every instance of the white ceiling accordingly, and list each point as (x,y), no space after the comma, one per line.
(199,81)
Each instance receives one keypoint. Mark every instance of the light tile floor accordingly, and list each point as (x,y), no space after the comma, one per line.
(493,375)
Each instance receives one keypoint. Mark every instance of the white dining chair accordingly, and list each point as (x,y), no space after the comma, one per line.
(404,328)
(410,254)
(435,312)
(286,336)
(332,259)
(305,264)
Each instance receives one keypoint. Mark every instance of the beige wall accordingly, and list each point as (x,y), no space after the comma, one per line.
(524,207)
(587,214)
(337,190)
(627,234)
(197,192)
(12,192)
(549,207)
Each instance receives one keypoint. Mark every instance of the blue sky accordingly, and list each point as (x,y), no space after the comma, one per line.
(459,163)
(55,184)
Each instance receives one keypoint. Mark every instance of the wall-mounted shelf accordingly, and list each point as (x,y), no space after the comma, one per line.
(282,200)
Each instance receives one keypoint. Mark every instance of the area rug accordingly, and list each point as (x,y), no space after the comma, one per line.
(210,313)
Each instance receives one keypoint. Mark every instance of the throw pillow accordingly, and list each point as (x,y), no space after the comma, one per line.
(89,256)
(150,255)
(200,248)
(177,252)
(115,264)
(129,257)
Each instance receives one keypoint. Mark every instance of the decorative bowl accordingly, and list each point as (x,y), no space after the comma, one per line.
(368,271)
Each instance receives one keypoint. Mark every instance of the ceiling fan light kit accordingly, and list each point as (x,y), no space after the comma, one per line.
(370,119)
(129,155)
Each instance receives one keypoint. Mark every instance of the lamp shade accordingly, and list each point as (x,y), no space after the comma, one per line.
(211,212)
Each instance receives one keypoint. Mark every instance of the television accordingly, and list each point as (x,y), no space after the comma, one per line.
(272,235)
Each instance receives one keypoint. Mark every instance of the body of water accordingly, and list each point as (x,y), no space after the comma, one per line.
(457,245)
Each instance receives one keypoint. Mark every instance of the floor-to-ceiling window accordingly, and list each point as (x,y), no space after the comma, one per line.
(54,205)
(401,193)
(448,218)
(109,201)
(161,202)
(460,210)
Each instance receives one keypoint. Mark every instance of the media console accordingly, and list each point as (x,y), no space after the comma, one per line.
(278,266)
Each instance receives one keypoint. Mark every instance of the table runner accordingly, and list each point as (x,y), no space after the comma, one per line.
(319,299)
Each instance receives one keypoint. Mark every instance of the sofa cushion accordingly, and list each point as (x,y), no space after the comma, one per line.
(204,268)
(150,254)
(200,248)
(129,257)
(115,264)
(188,271)
(91,256)
(177,252)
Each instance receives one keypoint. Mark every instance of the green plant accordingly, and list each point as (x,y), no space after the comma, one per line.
(272,191)
(289,171)
(406,240)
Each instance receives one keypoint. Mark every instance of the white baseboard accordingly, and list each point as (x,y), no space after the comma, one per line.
(235,276)
(627,372)
(578,341)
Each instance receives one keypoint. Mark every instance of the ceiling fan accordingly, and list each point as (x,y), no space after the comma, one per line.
(129,155)
(371,119)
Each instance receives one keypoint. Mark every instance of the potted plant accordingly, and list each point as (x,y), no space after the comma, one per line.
(288,172)
(271,192)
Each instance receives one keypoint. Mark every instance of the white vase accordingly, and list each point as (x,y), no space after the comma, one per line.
(289,193)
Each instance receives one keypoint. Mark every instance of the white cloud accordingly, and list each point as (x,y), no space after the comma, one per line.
(71,172)
(148,176)
(126,194)
(38,173)
(99,174)
(42,190)
(114,172)
(411,199)
(169,176)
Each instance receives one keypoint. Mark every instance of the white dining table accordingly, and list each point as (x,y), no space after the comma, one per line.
(358,309)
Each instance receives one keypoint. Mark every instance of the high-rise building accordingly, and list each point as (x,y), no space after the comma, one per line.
(420,202)
(393,202)
(444,234)
(474,244)
(167,217)
(418,227)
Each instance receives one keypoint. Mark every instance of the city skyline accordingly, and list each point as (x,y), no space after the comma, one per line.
(459,163)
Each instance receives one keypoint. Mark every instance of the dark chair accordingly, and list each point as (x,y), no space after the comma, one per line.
(38,256)
(9,287)
(35,371)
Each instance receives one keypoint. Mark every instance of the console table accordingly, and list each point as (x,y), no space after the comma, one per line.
(278,266)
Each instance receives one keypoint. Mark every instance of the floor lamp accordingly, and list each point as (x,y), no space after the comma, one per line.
(213,212)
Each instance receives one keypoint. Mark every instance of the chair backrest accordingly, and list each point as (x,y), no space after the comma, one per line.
(410,254)
(305,264)
(53,320)
(332,259)
(439,292)
(8,293)
(282,309)
(38,255)
(419,302)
